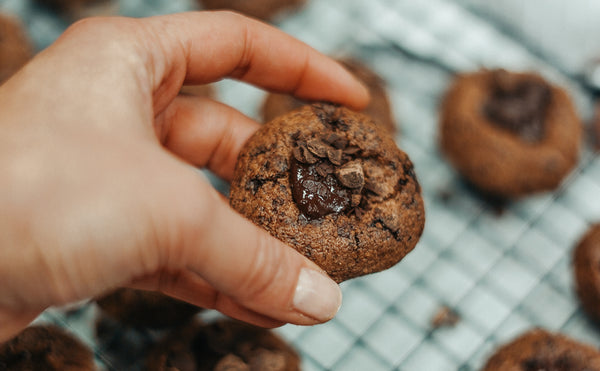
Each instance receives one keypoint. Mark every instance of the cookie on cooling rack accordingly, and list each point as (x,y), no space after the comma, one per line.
(265,10)
(586,268)
(45,347)
(16,48)
(509,134)
(379,107)
(225,345)
(331,183)
(539,349)
(146,309)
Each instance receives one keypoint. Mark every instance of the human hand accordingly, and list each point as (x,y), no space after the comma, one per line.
(98,189)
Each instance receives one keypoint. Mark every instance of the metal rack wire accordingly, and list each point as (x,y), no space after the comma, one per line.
(502,274)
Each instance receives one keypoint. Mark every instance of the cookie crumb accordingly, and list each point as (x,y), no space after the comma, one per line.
(444,317)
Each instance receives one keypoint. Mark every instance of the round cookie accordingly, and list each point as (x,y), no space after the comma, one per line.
(331,183)
(265,10)
(45,347)
(80,8)
(16,48)
(146,309)
(538,350)
(225,345)
(379,107)
(509,134)
(586,267)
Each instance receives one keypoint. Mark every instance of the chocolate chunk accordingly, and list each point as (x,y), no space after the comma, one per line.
(302,154)
(518,105)
(336,140)
(316,196)
(351,175)
(318,147)
(351,150)
(335,156)
(266,360)
(324,169)
(374,187)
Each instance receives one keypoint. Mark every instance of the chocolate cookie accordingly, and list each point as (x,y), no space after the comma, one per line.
(538,350)
(509,134)
(225,345)
(379,107)
(265,10)
(332,184)
(138,308)
(45,348)
(80,8)
(586,267)
(16,48)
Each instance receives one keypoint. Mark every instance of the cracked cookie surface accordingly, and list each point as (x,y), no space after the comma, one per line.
(332,184)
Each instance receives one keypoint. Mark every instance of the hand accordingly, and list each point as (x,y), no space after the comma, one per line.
(99,189)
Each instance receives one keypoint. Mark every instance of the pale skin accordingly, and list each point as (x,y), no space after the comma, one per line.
(99,188)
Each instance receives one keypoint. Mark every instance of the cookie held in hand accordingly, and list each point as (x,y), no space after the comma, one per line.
(332,184)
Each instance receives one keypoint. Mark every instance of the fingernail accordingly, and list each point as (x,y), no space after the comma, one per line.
(317,296)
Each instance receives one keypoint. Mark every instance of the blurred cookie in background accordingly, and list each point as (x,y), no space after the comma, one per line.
(539,349)
(225,345)
(45,347)
(146,309)
(379,107)
(16,48)
(76,9)
(509,134)
(586,264)
(266,10)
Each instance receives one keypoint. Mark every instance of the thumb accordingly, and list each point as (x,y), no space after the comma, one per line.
(255,270)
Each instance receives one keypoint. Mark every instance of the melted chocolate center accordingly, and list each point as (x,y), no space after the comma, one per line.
(316,195)
(518,105)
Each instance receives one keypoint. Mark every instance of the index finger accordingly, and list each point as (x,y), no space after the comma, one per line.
(202,47)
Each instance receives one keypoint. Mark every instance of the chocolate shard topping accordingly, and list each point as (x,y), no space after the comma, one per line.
(336,140)
(335,156)
(518,104)
(351,150)
(303,155)
(351,175)
(318,148)
(374,187)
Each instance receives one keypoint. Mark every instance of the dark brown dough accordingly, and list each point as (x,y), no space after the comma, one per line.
(509,134)
(539,349)
(331,183)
